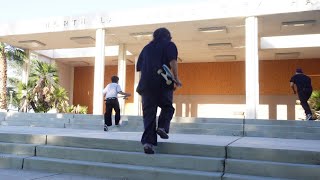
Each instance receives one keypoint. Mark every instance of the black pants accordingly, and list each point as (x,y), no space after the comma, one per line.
(150,102)
(112,104)
(304,97)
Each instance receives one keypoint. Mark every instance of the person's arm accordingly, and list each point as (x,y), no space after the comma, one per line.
(174,68)
(140,61)
(104,91)
(292,86)
(172,56)
(121,92)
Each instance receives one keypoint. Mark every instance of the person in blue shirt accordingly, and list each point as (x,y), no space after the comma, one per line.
(304,89)
(153,88)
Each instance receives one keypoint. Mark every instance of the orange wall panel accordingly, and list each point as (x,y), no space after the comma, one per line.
(83,87)
(212,78)
(83,84)
(275,75)
(215,78)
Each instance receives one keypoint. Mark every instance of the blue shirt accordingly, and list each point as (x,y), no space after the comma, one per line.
(150,60)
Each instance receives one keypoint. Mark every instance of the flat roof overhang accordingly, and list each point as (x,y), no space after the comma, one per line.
(183,22)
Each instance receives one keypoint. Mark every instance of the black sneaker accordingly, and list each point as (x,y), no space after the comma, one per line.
(162,133)
(309,117)
(148,149)
(105,128)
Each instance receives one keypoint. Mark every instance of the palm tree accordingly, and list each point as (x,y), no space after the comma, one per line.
(25,96)
(61,99)
(44,76)
(7,52)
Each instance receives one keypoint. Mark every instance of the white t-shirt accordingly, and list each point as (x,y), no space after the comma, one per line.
(111,90)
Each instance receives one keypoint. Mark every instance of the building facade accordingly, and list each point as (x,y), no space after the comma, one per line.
(235,57)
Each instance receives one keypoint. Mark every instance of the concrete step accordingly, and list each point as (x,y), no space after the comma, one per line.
(99,126)
(11,161)
(83,117)
(17,149)
(135,146)
(192,120)
(133,158)
(108,170)
(218,132)
(237,127)
(20,174)
(229,176)
(85,126)
(274,155)
(16,116)
(281,134)
(23,138)
(282,128)
(34,123)
(275,150)
(272,169)
(282,123)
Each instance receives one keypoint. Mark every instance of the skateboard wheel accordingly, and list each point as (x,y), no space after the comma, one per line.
(159,71)
(169,82)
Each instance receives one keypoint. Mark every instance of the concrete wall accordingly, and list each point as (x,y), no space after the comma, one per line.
(66,74)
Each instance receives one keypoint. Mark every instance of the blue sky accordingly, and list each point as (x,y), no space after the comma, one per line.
(31,9)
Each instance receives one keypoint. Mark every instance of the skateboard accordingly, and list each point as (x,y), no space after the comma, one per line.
(123,96)
(166,73)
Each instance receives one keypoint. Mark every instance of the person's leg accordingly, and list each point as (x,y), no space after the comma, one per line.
(167,111)
(117,111)
(107,114)
(149,106)
(304,96)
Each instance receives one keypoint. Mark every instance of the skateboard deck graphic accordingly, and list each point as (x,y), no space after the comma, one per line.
(166,73)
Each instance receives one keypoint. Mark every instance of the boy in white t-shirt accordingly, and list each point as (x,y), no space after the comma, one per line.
(111,92)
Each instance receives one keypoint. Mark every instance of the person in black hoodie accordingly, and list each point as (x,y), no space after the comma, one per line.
(304,89)
(153,88)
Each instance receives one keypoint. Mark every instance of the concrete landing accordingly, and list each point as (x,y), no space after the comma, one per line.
(14,174)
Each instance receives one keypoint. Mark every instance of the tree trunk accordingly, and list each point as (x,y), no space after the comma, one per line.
(3,80)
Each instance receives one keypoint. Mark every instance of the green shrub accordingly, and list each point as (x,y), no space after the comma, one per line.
(314,102)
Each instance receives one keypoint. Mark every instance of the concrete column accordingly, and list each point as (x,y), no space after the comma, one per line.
(99,72)
(273,111)
(291,109)
(137,97)
(122,74)
(252,68)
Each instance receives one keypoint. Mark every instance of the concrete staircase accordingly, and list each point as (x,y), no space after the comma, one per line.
(247,160)
(110,158)
(198,148)
(289,129)
(118,155)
